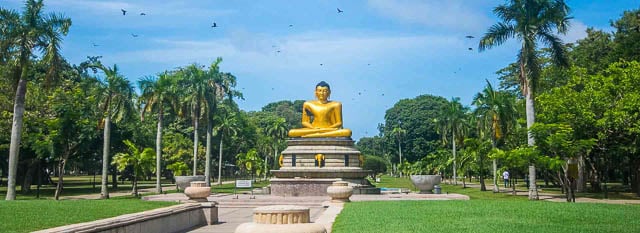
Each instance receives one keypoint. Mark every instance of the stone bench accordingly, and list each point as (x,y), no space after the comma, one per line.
(178,218)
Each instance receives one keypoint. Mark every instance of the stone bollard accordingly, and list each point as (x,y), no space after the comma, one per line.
(340,192)
(210,210)
(198,191)
(281,219)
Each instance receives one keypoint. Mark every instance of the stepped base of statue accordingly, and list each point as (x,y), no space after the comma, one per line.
(311,165)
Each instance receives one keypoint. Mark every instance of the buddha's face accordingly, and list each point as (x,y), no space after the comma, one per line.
(322,93)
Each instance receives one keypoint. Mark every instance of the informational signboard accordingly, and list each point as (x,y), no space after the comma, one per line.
(243,184)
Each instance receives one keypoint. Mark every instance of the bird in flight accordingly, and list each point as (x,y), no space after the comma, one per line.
(278,51)
(290,25)
(214,25)
(469,37)
(143,13)
(470,49)
(320,63)
(339,11)
(134,35)
(95,45)
(124,12)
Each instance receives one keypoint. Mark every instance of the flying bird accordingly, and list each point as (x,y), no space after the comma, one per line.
(290,25)
(470,49)
(278,51)
(143,13)
(134,35)
(124,12)
(470,37)
(214,25)
(95,45)
(339,11)
(320,63)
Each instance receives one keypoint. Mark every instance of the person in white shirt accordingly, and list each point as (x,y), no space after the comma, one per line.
(505,176)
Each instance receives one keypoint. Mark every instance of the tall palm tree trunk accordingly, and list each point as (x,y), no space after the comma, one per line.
(530,111)
(159,152)
(455,175)
(220,161)
(400,153)
(195,145)
(16,130)
(207,163)
(104,192)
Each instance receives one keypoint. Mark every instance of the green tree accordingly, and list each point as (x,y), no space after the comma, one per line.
(277,130)
(376,164)
(497,114)
(116,97)
(22,35)
(141,160)
(249,162)
(416,117)
(531,22)
(399,134)
(227,125)
(156,95)
(453,121)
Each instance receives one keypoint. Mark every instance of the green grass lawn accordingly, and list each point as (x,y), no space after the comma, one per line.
(77,185)
(485,212)
(486,216)
(31,215)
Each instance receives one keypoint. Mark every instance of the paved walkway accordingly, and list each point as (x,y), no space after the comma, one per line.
(165,187)
(554,197)
(234,210)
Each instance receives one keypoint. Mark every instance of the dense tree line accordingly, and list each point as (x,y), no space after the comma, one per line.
(585,97)
(90,119)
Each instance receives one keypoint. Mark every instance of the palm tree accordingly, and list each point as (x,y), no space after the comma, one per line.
(497,115)
(398,133)
(116,102)
(531,22)
(227,125)
(213,93)
(156,94)
(195,81)
(452,121)
(141,161)
(277,130)
(22,35)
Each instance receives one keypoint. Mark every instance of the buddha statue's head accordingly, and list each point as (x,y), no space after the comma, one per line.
(323,91)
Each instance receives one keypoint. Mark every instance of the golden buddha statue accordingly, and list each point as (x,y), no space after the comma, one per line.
(321,117)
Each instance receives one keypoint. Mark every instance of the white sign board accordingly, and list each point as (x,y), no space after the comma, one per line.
(243,184)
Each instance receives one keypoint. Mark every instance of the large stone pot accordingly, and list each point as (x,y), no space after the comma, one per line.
(340,191)
(182,182)
(198,191)
(425,182)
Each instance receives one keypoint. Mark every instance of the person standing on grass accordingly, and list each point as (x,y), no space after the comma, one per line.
(505,176)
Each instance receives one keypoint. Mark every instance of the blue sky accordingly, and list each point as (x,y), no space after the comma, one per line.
(373,54)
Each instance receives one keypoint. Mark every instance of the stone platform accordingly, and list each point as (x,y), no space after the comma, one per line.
(310,165)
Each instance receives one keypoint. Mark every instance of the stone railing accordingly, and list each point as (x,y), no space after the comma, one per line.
(178,218)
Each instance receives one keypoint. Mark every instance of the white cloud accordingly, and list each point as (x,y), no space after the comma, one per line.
(577,30)
(255,53)
(455,15)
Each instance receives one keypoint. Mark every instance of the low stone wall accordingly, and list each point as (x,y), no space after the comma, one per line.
(171,219)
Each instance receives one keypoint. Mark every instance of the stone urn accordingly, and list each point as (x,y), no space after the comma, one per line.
(198,191)
(281,219)
(340,191)
(425,182)
(182,182)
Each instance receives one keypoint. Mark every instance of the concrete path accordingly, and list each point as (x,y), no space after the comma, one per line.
(554,197)
(234,210)
(165,187)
